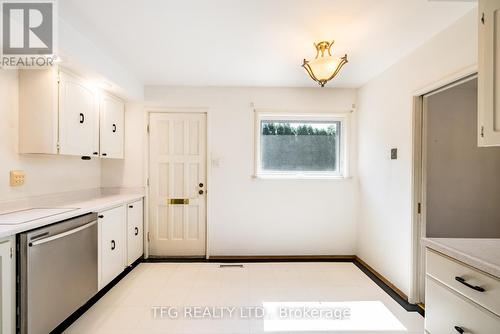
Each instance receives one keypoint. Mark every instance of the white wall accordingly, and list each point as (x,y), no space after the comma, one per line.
(385,121)
(44,173)
(255,217)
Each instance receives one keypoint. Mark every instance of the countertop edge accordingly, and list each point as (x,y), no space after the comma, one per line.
(461,256)
(92,205)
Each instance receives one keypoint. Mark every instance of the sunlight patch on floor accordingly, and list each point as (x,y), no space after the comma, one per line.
(330,316)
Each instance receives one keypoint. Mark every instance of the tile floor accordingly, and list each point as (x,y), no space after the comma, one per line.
(147,299)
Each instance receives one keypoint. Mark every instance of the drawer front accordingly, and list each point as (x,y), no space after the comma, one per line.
(447,270)
(445,310)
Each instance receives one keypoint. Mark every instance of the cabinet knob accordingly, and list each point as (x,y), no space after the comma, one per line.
(136,230)
(104,154)
(131,206)
(100,216)
(113,245)
(200,192)
(95,153)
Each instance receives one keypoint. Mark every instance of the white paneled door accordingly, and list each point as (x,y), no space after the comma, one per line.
(177,153)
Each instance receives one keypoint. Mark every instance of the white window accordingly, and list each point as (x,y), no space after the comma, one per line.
(301,146)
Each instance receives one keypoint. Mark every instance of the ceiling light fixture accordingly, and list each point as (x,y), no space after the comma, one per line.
(324,67)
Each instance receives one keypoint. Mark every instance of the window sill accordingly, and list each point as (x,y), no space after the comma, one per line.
(299,177)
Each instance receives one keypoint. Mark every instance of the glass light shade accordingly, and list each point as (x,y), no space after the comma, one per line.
(324,67)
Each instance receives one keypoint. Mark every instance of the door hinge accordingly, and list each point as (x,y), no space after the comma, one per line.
(58,147)
(149,236)
(482,18)
(419,208)
(482,131)
(147,128)
(11,252)
(147,181)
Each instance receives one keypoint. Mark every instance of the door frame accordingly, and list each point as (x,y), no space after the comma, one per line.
(418,231)
(208,167)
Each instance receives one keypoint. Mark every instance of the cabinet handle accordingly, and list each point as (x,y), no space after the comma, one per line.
(113,245)
(82,118)
(136,230)
(473,287)
(104,154)
(114,127)
(459,329)
(131,206)
(95,153)
(100,216)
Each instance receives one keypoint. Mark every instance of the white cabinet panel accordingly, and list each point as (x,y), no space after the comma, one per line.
(135,247)
(60,113)
(489,73)
(447,312)
(479,287)
(7,286)
(112,114)
(112,244)
(78,117)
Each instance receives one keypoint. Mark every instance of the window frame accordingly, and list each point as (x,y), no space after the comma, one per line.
(343,164)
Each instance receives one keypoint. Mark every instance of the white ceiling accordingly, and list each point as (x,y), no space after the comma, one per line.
(256,42)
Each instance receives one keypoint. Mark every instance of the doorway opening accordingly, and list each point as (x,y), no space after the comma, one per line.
(456,183)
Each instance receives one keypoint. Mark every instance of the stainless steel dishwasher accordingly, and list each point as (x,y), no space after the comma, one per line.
(57,272)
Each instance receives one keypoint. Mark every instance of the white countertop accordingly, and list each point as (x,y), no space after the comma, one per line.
(94,204)
(483,254)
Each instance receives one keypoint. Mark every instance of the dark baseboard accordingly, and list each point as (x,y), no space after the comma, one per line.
(388,287)
(284,258)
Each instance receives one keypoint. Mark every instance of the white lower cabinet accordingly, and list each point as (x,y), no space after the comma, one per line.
(135,246)
(459,298)
(448,312)
(112,244)
(7,286)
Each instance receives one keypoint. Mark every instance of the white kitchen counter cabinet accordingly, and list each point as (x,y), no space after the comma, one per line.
(7,285)
(462,292)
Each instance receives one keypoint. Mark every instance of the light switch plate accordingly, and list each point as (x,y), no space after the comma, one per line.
(16,178)
(394,153)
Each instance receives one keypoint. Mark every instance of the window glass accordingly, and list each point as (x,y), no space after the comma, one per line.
(300,146)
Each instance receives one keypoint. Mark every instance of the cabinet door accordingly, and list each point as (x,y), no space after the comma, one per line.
(112,113)
(489,73)
(112,246)
(78,117)
(134,231)
(7,287)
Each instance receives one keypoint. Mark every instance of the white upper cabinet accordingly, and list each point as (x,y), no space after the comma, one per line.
(60,113)
(78,117)
(112,114)
(489,73)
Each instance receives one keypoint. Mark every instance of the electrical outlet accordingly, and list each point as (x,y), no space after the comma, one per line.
(16,178)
